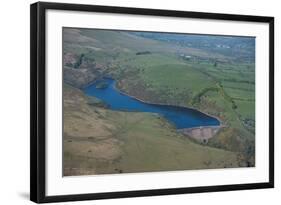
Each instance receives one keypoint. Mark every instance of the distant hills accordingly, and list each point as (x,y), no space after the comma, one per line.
(242,48)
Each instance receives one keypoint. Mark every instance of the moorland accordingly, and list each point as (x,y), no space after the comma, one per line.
(212,74)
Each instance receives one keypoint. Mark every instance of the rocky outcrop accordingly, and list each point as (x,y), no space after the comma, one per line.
(79,78)
(79,70)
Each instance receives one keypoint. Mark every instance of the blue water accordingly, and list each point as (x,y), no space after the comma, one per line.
(181,117)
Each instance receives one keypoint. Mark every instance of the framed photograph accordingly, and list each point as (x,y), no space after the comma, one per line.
(129,102)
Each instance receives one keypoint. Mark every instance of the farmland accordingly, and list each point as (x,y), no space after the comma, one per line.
(165,70)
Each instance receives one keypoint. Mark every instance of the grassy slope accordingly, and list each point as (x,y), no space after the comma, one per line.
(165,78)
(99,141)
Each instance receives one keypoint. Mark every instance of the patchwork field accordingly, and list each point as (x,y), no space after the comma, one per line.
(161,70)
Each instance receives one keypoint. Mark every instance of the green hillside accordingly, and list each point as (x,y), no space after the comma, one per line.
(160,72)
(100,141)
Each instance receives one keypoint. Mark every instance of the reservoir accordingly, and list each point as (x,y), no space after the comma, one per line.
(180,117)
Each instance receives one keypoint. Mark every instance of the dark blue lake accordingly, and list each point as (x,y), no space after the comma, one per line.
(181,117)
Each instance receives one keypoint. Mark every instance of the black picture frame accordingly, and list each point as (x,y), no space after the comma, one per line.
(38,101)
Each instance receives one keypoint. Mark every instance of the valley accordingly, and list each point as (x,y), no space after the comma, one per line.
(159,69)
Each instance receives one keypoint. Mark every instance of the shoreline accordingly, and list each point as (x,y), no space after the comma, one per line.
(151,103)
(191,108)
